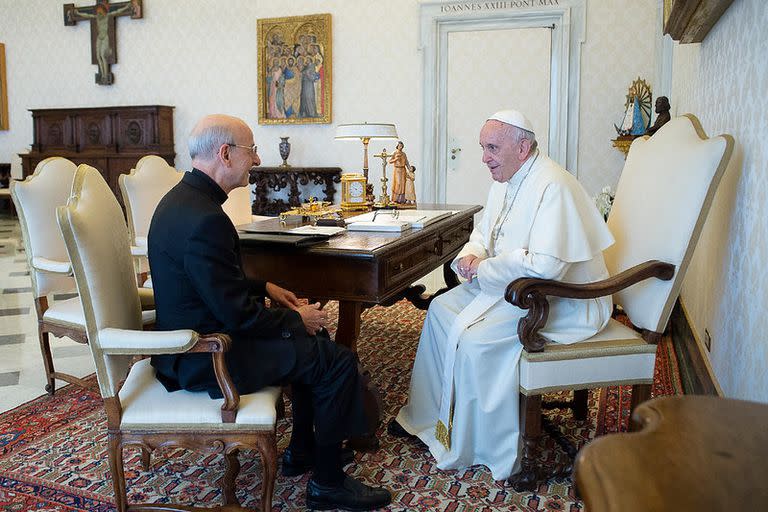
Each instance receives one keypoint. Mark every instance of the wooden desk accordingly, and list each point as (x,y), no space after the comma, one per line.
(693,453)
(361,268)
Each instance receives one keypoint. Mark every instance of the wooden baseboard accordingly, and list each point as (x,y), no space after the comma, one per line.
(695,372)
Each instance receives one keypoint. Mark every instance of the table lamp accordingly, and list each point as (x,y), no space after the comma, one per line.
(365,132)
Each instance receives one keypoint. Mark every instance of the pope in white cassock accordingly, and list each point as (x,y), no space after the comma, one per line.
(538,222)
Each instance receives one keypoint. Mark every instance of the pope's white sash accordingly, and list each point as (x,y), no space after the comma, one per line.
(470,315)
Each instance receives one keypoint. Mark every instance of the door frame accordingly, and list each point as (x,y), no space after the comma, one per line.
(438,19)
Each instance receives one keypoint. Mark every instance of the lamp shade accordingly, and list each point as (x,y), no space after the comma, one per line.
(366,131)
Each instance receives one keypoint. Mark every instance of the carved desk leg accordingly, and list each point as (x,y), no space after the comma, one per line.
(415,294)
(349,323)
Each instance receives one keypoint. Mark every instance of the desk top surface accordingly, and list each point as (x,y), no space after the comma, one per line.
(371,243)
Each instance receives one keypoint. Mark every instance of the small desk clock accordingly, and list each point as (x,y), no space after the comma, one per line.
(353,192)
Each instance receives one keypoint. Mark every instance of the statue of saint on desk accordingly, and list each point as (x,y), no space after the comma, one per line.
(403,176)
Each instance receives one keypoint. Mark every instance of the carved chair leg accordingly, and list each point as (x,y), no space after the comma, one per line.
(267,448)
(580,404)
(640,393)
(230,475)
(530,426)
(145,459)
(45,348)
(116,469)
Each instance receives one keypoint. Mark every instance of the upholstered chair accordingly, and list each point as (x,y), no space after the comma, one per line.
(36,199)
(238,207)
(662,200)
(140,412)
(142,189)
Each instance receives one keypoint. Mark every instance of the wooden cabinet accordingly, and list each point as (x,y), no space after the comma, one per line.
(269,180)
(111,139)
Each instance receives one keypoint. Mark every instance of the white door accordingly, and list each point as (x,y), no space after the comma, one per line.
(487,71)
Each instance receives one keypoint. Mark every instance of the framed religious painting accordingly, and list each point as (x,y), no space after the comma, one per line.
(3,91)
(295,69)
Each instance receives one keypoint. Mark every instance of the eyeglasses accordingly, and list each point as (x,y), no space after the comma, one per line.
(252,149)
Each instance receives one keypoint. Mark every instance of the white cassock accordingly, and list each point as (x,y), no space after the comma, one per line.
(463,401)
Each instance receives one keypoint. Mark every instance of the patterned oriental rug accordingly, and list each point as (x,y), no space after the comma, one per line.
(54,449)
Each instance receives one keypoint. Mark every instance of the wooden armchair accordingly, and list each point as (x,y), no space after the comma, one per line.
(140,412)
(662,201)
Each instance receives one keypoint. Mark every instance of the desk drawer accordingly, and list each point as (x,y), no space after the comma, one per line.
(455,238)
(412,262)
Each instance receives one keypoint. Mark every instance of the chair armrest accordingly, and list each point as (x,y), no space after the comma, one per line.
(531,294)
(131,342)
(217,345)
(147,298)
(53,266)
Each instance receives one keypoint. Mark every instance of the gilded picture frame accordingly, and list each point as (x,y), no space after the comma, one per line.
(295,69)
(3,91)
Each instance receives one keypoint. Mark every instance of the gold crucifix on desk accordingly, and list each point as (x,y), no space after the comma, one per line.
(103,39)
(383,201)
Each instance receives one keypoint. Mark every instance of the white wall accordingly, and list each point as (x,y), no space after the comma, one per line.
(200,56)
(724,81)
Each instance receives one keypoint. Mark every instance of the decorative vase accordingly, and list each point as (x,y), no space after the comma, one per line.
(285,150)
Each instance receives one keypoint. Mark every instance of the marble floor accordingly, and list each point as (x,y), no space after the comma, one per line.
(22,376)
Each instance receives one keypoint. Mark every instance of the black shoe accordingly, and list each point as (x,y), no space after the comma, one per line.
(296,463)
(396,430)
(351,494)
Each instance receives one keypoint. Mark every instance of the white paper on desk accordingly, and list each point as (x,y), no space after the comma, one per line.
(317,230)
(390,225)
(421,218)
(416,218)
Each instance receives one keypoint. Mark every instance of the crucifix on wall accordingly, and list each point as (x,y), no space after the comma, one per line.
(103,40)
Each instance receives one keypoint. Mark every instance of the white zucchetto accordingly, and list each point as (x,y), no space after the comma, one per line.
(513,117)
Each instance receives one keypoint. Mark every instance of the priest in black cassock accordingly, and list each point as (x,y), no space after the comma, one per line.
(199,284)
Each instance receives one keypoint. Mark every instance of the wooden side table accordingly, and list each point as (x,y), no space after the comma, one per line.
(276,179)
(691,453)
(5,192)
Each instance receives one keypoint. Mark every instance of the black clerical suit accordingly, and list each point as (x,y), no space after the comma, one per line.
(199,284)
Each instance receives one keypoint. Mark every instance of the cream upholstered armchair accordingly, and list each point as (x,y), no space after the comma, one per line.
(36,199)
(140,412)
(142,189)
(239,207)
(662,201)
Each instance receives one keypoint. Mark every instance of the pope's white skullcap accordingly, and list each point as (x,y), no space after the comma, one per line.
(513,117)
